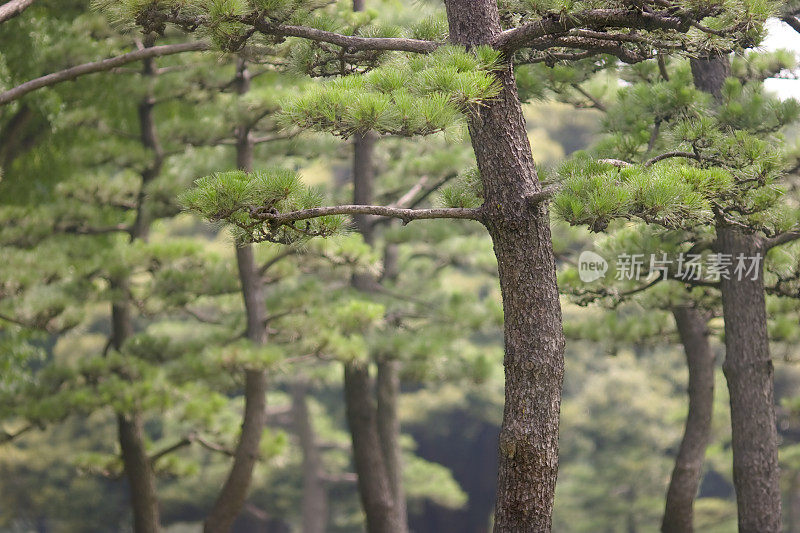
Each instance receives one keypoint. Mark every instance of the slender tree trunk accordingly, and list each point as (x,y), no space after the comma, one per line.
(138,467)
(315,493)
(388,391)
(692,329)
(233,494)
(748,365)
(534,340)
(748,371)
(373,483)
(139,472)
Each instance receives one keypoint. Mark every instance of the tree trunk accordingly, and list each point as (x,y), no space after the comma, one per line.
(315,494)
(139,472)
(748,366)
(233,494)
(130,428)
(748,371)
(534,340)
(373,483)
(138,469)
(692,329)
(388,390)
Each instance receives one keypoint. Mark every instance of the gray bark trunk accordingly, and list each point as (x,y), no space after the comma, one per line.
(315,493)
(233,494)
(374,488)
(388,391)
(748,365)
(534,340)
(692,329)
(748,371)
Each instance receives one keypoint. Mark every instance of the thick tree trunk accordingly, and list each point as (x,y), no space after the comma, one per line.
(315,493)
(374,488)
(692,329)
(747,366)
(233,494)
(388,391)
(748,371)
(534,340)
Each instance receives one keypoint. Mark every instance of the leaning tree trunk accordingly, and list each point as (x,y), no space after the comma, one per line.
(233,494)
(747,366)
(534,340)
(693,332)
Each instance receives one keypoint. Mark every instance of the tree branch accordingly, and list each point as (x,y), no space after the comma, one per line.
(783,238)
(13,8)
(186,441)
(406,215)
(98,66)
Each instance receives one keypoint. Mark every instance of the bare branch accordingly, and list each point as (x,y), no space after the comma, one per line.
(8,437)
(591,19)
(667,155)
(793,22)
(406,215)
(13,8)
(597,104)
(783,238)
(186,441)
(98,66)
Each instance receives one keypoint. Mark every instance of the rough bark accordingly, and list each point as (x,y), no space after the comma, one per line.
(709,74)
(13,8)
(233,494)
(534,340)
(747,366)
(374,488)
(315,493)
(388,391)
(692,329)
(749,373)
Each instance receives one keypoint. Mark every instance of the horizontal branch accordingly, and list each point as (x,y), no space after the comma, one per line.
(783,238)
(11,9)
(352,42)
(406,215)
(591,19)
(98,66)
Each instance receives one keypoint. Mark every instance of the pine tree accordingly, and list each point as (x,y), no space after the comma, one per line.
(512,210)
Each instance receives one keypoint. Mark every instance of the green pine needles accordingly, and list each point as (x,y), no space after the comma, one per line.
(236,197)
(406,96)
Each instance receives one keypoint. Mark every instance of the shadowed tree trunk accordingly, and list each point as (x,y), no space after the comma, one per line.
(692,329)
(374,486)
(747,366)
(388,391)
(534,340)
(315,493)
(373,483)
(233,494)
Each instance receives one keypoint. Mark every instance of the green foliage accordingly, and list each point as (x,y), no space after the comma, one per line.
(406,96)
(237,197)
